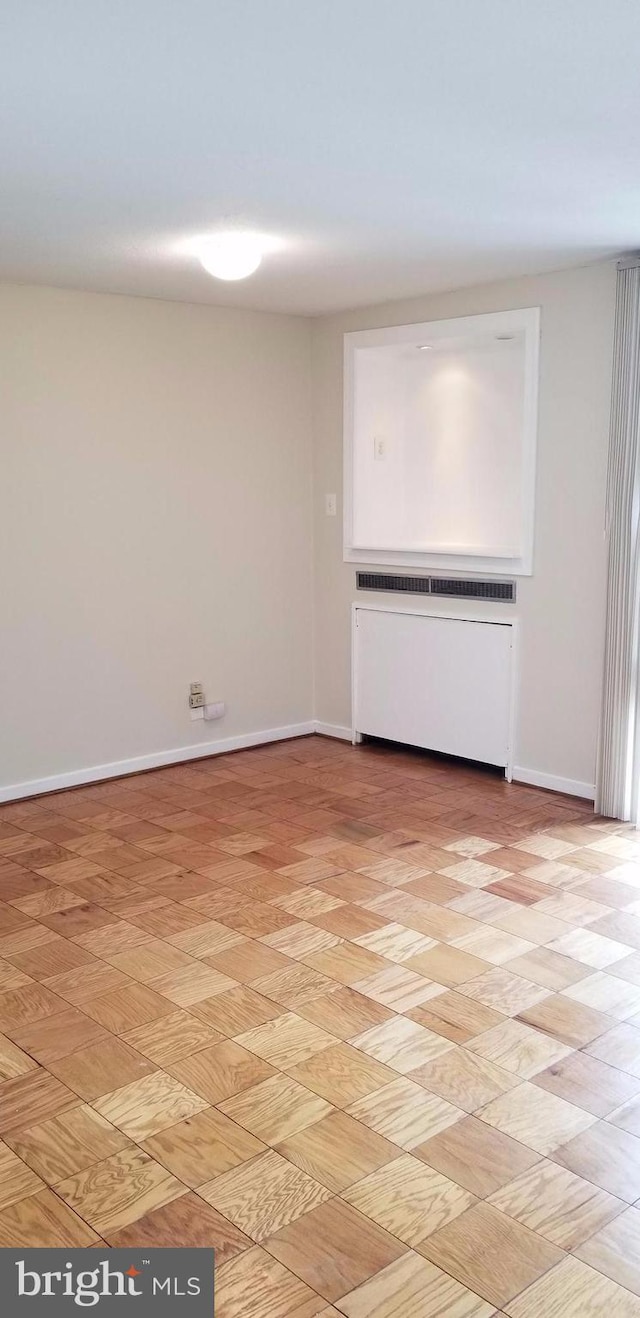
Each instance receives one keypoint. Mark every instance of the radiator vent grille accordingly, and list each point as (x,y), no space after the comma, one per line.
(455,587)
(384,581)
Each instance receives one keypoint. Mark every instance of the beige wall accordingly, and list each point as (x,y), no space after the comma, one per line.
(155,526)
(156,523)
(561,607)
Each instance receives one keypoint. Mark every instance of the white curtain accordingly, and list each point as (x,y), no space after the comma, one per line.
(619,753)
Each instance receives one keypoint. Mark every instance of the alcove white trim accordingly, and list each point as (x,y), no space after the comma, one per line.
(510,558)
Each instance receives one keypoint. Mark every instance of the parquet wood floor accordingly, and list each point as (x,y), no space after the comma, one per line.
(366,1022)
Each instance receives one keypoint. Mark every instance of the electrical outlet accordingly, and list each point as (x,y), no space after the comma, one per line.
(196,701)
(379,448)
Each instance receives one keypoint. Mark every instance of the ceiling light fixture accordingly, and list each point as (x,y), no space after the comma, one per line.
(425,347)
(231,255)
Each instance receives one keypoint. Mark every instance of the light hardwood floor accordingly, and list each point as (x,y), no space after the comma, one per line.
(366,1022)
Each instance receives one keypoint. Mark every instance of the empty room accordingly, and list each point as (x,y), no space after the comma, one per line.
(320,658)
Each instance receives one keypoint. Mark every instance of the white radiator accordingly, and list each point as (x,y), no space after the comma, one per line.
(442,682)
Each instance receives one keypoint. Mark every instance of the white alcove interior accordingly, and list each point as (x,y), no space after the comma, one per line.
(439,443)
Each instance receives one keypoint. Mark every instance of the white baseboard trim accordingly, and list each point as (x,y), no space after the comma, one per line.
(568,786)
(332,730)
(156,760)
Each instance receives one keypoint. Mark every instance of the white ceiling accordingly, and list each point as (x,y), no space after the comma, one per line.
(392,146)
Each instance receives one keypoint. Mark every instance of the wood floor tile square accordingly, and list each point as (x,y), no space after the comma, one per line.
(264,1195)
(528,923)
(549,969)
(569,1022)
(404,1113)
(476,1156)
(124,1008)
(345,1013)
(22,1006)
(493,944)
(101,1068)
(574,908)
(606,1155)
(202,1147)
(402,1044)
(627,1116)
(456,1017)
(337,1150)
(43,1221)
(206,939)
(149,1105)
(615,1250)
(220,1071)
(347,963)
(519,1048)
(590,948)
(13,1061)
(292,987)
(184,1222)
(11,978)
(334,1248)
(80,985)
(607,993)
(249,960)
(341,1074)
(67,1143)
(168,1039)
(395,942)
(254,1284)
(275,1109)
(620,1047)
(622,925)
(31,1098)
(299,940)
(191,984)
(286,1041)
(113,1193)
(628,968)
(112,939)
(573,1290)
(398,988)
(151,960)
(347,921)
(490,1253)
(413,1288)
(588,1083)
(351,887)
(57,1036)
(408,1198)
(236,1011)
(557,1204)
(475,873)
(435,888)
(307,903)
(17,1181)
(536,1118)
(447,965)
(464,1079)
(51,958)
(503,991)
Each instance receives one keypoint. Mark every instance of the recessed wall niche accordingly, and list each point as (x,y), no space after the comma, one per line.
(439,443)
